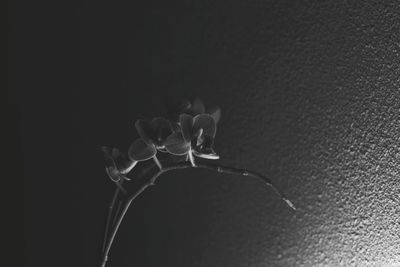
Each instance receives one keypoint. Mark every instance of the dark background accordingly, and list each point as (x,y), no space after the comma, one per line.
(310,97)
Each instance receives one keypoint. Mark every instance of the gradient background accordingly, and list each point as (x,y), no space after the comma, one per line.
(310,96)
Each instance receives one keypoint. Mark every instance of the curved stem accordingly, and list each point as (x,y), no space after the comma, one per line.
(243,172)
(183,165)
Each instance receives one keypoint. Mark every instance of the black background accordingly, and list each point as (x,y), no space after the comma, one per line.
(310,95)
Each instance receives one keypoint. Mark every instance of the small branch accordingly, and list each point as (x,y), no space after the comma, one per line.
(183,165)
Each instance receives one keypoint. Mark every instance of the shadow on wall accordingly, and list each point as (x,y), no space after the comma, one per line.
(309,95)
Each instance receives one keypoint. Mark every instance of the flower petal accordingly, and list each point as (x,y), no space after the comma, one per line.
(215,112)
(205,153)
(198,106)
(176,106)
(113,174)
(140,150)
(122,162)
(186,122)
(115,153)
(107,153)
(145,131)
(162,128)
(176,144)
(206,123)
(179,158)
(126,166)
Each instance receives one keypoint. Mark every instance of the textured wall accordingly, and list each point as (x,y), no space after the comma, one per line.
(310,97)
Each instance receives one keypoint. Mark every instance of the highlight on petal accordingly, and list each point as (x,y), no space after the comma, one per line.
(125,178)
(204,149)
(198,106)
(186,122)
(121,162)
(215,112)
(127,166)
(206,123)
(205,153)
(139,150)
(145,131)
(176,144)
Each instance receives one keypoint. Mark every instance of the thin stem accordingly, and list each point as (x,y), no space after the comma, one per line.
(184,165)
(109,214)
(191,158)
(116,212)
(235,171)
(122,215)
(120,187)
(243,172)
(158,163)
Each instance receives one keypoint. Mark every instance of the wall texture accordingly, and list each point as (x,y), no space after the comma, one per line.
(310,96)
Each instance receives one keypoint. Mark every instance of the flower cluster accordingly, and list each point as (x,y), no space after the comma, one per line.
(188,134)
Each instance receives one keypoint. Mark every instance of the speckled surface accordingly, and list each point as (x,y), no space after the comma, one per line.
(310,96)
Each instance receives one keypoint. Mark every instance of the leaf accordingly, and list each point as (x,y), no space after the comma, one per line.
(139,150)
(176,144)
(186,122)
(206,123)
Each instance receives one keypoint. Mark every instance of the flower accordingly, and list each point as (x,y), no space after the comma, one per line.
(152,134)
(196,137)
(117,164)
(196,107)
(200,132)
(192,134)
(177,106)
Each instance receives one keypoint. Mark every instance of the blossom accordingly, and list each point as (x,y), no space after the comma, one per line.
(117,164)
(197,107)
(152,134)
(191,135)
(196,137)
